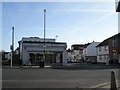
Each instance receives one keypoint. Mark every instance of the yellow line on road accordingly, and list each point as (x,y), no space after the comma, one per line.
(100,85)
(103,84)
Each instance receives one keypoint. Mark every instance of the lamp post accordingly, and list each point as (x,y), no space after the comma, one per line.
(12,47)
(44,56)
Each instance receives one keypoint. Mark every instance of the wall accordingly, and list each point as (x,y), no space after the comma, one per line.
(102,54)
(103,51)
(91,49)
(114,49)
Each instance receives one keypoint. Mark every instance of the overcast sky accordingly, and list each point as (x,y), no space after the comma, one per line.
(73,22)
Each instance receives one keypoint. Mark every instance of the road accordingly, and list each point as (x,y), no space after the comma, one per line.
(70,76)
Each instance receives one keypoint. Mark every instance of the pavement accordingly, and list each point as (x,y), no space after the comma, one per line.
(71,66)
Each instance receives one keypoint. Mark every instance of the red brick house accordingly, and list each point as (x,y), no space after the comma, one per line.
(113,44)
(114,48)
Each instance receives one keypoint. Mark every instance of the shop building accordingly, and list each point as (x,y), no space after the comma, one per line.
(33,49)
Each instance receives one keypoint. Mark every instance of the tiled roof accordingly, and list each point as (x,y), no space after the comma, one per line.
(105,42)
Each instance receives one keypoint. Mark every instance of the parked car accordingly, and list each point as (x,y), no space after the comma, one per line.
(91,61)
(88,61)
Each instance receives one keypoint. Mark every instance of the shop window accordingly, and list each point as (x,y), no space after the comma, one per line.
(58,58)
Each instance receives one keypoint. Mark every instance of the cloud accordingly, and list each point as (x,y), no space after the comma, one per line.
(57,0)
(87,26)
(88,7)
(78,10)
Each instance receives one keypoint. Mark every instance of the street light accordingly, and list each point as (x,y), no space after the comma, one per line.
(44,46)
(12,47)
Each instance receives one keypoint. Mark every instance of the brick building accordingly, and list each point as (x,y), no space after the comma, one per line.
(111,50)
(114,48)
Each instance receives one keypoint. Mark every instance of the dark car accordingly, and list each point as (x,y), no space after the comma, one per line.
(91,61)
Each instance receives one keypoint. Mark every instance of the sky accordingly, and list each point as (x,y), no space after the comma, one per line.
(73,22)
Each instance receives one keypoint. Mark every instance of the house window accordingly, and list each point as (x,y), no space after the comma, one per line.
(105,48)
(100,57)
(114,43)
(99,48)
(104,56)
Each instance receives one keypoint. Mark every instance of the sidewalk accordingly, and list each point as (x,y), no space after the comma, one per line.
(73,66)
(24,67)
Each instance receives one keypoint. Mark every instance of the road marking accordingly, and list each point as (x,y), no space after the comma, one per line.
(100,85)
(103,84)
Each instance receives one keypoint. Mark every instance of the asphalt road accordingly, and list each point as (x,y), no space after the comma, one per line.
(70,76)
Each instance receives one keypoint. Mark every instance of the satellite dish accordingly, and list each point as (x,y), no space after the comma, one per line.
(117,5)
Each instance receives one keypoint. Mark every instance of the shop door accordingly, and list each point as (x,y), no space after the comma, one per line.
(32,58)
(39,58)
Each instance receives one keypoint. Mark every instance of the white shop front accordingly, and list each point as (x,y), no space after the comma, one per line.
(34,49)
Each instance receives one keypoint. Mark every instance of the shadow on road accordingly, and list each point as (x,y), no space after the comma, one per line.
(55,89)
(86,67)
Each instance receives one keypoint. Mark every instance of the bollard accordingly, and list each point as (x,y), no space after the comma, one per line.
(113,81)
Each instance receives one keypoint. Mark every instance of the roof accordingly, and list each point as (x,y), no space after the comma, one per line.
(43,42)
(36,39)
(80,45)
(87,44)
(105,42)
